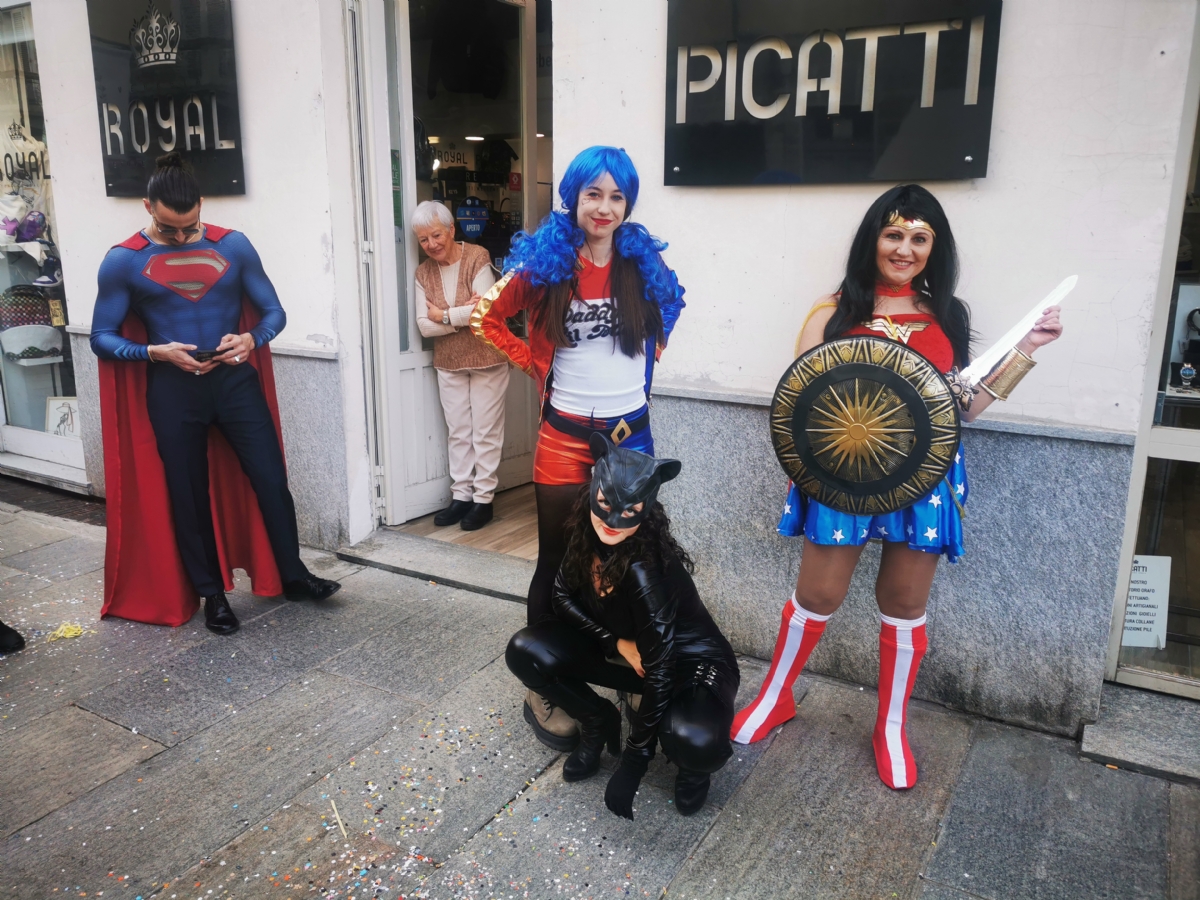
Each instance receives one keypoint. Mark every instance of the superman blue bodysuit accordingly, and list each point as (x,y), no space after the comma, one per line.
(195,294)
(191,293)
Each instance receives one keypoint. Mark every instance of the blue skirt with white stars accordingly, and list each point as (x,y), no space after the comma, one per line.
(932,524)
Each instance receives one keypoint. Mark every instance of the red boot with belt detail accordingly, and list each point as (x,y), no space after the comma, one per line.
(774,705)
(902,645)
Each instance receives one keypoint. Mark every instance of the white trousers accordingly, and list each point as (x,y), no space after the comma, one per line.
(473,401)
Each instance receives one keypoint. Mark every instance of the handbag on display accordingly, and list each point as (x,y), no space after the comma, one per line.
(24,304)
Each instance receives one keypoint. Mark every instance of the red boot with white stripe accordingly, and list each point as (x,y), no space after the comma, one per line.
(798,634)
(902,644)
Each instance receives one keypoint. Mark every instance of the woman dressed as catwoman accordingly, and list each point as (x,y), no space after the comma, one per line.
(624,591)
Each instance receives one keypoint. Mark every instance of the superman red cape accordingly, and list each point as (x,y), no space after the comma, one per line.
(144,578)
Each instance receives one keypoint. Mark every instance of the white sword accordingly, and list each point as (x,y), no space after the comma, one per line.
(983,363)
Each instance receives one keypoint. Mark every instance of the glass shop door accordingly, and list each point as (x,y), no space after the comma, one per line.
(461,71)
(1155,641)
(40,430)
(449,96)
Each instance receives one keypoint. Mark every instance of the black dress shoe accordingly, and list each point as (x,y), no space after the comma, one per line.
(218,617)
(310,587)
(691,790)
(480,515)
(453,513)
(10,639)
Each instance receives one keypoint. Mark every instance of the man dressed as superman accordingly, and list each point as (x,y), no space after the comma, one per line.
(174,329)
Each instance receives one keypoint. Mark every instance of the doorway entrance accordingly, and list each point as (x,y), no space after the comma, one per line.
(1155,641)
(463,87)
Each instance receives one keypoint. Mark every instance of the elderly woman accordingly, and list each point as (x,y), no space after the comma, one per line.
(472,377)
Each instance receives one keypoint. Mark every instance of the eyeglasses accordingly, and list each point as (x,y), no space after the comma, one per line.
(168,231)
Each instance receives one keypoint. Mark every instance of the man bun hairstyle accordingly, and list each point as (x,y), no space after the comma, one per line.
(173,184)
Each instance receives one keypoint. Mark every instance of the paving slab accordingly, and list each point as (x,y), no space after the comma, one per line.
(1184,843)
(15,584)
(414,797)
(61,560)
(158,819)
(442,641)
(47,675)
(62,756)
(493,574)
(184,693)
(25,532)
(1031,819)
(813,820)
(1146,732)
(931,891)
(35,605)
(560,840)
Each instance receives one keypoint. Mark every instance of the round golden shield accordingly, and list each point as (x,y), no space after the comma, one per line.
(864,425)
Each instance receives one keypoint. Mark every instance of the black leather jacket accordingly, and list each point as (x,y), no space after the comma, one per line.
(660,610)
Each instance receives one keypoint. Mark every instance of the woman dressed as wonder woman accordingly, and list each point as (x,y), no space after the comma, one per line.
(601,304)
(899,284)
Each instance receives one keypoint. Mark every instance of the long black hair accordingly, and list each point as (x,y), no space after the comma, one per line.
(936,282)
(173,184)
(652,542)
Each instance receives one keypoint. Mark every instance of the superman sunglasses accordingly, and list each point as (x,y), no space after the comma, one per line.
(168,231)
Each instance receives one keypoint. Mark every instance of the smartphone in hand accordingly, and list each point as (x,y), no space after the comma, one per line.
(204,355)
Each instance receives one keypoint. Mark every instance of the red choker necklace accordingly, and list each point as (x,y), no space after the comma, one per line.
(892,290)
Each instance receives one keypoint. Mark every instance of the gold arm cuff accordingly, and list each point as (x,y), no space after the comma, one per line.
(1007,374)
(484,305)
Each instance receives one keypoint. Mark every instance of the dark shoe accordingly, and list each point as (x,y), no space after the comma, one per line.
(453,513)
(218,617)
(595,732)
(480,515)
(551,725)
(10,639)
(310,587)
(691,790)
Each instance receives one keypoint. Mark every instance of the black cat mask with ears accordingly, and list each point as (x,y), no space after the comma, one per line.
(626,478)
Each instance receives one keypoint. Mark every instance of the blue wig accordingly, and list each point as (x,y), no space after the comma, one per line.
(548,255)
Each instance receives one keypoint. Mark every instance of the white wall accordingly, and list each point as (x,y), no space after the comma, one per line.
(296,148)
(1084,135)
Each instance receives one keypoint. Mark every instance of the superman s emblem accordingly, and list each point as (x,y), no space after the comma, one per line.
(189,273)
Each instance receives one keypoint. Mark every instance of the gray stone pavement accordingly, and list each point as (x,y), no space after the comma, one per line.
(373,746)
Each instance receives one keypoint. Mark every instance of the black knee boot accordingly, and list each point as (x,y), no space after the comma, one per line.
(599,725)
(691,790)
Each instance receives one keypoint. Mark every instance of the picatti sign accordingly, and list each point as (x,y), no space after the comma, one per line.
(827,91)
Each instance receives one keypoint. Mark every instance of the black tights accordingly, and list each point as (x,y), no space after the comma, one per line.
(554,504)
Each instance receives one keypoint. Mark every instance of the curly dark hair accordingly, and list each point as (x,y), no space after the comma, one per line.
(652,541)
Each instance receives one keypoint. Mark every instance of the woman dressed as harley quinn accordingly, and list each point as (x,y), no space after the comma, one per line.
(602,304)
(899,284)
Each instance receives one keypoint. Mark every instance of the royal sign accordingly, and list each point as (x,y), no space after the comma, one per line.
(166,80)
(829,91)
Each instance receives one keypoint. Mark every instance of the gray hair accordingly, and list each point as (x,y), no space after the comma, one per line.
(430,213)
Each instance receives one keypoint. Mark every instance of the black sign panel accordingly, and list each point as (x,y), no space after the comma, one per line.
(828,91)
(165,80)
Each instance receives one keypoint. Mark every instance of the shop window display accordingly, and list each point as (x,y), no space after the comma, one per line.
(1162,619)
(36,372)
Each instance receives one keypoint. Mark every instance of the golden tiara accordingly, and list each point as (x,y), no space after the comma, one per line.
(909,224)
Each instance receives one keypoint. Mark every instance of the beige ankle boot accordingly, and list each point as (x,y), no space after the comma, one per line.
(552,726)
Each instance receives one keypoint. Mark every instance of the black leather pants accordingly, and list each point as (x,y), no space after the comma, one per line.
(560,663)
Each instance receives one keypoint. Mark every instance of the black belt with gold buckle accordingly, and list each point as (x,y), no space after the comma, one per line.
(618,433)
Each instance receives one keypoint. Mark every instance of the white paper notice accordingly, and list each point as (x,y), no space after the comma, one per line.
(1146,609)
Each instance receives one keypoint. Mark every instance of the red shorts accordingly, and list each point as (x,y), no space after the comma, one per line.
(565,459)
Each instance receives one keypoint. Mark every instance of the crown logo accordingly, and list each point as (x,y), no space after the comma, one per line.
(154,39)
(15,132)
